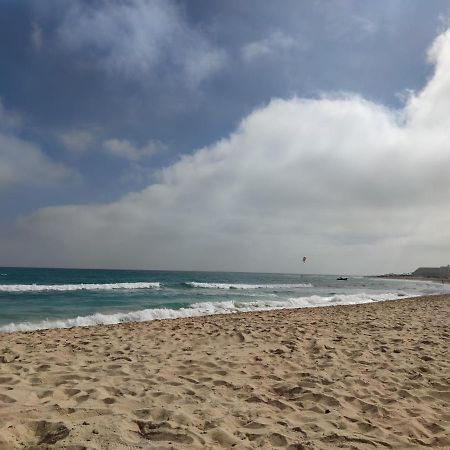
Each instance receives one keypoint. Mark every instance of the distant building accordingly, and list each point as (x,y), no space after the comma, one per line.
(432,272)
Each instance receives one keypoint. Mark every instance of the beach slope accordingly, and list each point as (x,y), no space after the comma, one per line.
(352,377)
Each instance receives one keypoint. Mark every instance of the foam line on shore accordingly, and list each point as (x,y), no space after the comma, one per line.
(76,287)
(200,309)
(242,286)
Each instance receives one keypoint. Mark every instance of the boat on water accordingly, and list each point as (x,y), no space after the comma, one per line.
(341,278)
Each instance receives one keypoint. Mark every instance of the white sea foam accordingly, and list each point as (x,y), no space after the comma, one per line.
(194,284)
(75,287)
(200,309)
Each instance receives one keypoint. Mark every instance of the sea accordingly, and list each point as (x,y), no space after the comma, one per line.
(40,298)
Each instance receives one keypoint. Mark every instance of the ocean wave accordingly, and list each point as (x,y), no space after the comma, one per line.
(200,309)
(194,284)
(75,287)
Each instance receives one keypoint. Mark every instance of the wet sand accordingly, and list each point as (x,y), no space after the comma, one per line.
(352,377)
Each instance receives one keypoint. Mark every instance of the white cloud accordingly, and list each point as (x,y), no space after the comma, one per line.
(354,185)
(343,23)
(274,43)
(135,38)
(365,25)
(125,149)
(77,140)
(36,37)
(8,120)
(430,108)
(22,163)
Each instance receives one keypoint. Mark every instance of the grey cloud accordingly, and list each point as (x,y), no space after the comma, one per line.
(22,163)
(36,37)
(275,42)
(358,23)
(8,120)
(76,140)
(123,148)
(135,38)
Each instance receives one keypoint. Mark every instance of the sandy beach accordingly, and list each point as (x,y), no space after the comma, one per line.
(353,377)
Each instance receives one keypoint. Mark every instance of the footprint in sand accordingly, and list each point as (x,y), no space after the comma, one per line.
(50,433)
(71,392)
(163,432)
(45,394)
(6,399)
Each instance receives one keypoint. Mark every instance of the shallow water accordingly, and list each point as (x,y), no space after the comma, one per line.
(49,298)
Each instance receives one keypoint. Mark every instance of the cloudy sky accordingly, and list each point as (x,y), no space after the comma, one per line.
(225,135)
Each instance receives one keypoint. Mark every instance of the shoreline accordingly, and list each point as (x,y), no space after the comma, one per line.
(344,376)
(195,314)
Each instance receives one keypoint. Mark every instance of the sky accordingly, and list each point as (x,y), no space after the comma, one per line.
(225,135)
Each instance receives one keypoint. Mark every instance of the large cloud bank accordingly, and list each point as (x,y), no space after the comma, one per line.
(356,186)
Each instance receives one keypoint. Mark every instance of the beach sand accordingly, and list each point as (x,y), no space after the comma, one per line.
(353,377)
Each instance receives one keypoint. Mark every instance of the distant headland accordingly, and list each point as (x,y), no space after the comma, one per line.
(441,273)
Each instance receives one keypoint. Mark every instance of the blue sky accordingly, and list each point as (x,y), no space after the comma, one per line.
(103,103)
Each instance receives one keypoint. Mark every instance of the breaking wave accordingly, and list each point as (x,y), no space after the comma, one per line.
(194,284)
(75,287)
(200,309)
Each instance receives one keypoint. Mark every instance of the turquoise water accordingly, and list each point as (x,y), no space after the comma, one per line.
(33,298)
